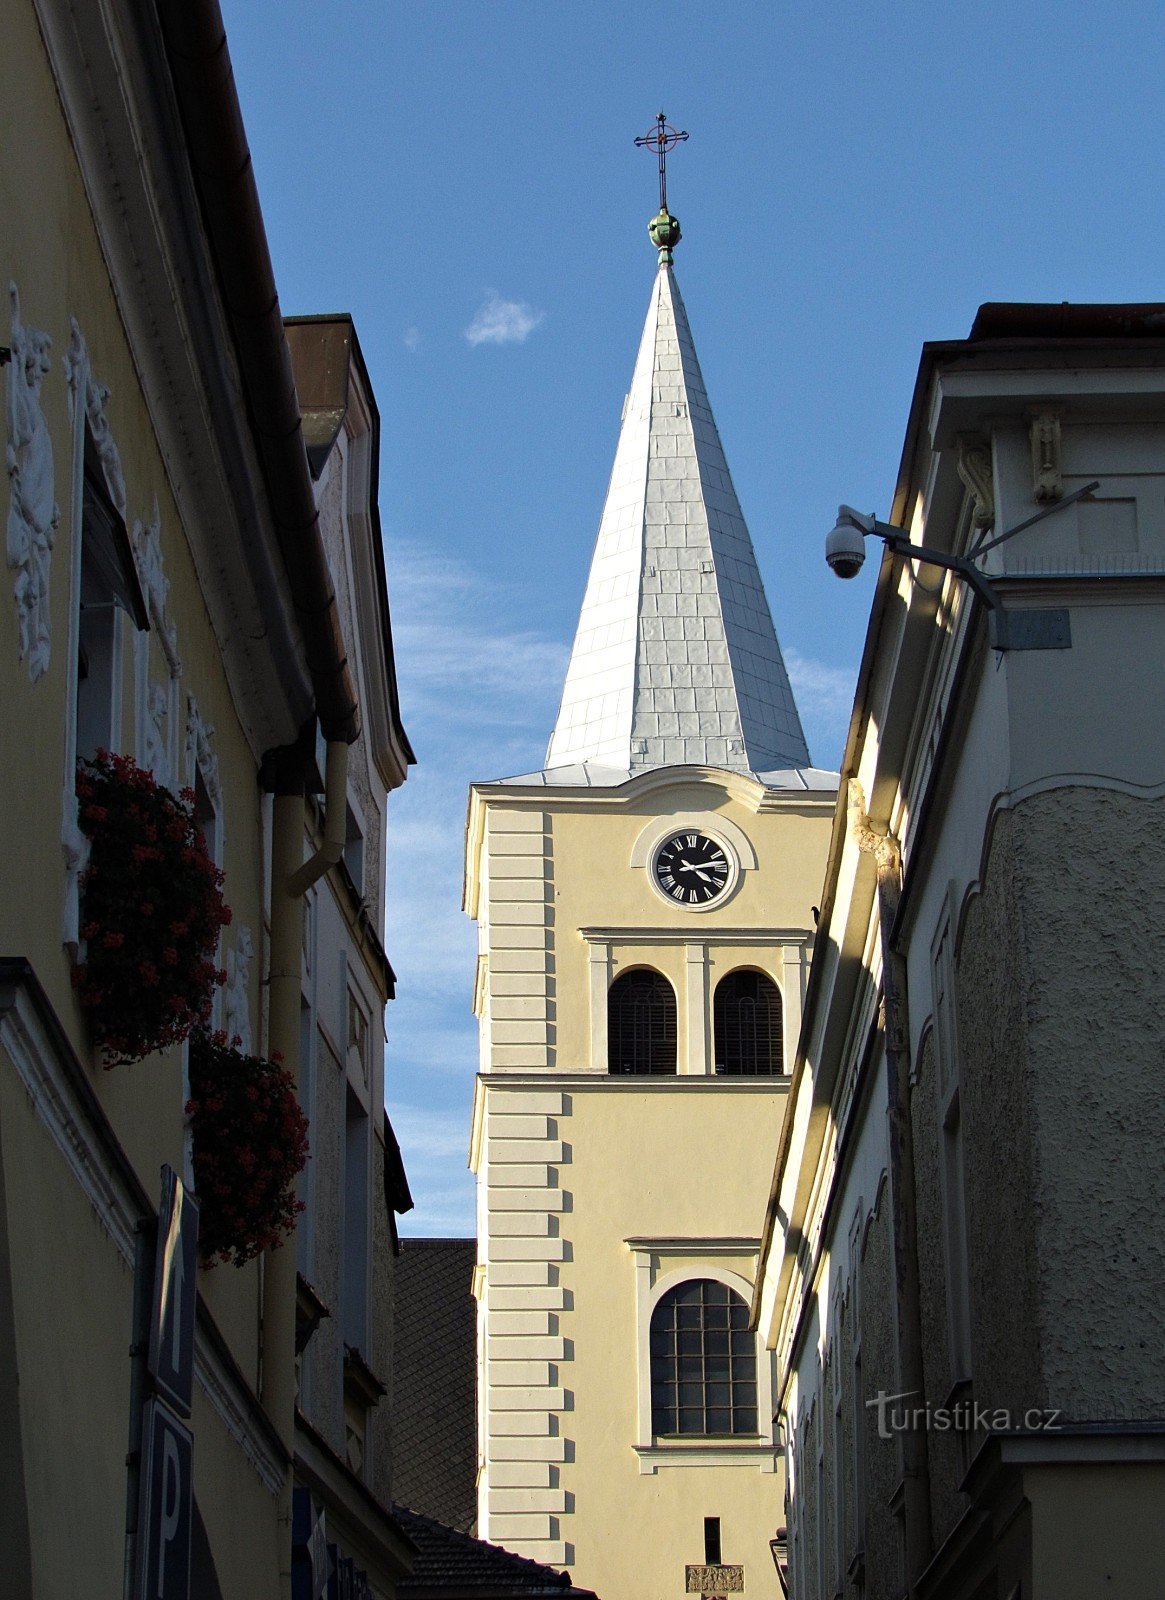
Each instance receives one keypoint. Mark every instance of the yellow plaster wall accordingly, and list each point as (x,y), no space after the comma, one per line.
(73,1391)
(574,1163)
(55,259)
(551,869)
(72,1291)
(684,1161)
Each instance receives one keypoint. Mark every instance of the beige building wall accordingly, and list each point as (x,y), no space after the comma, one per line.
(598,1193)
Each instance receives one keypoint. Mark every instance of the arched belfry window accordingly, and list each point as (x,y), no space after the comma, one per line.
(703,1362)
(746,1015)
(641,1023)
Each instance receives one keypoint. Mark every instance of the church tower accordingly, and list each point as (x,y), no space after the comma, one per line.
(644,906)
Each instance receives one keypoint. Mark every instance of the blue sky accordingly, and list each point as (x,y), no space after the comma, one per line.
(461,177)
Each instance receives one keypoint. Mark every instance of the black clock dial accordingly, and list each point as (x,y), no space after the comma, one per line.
(692,869)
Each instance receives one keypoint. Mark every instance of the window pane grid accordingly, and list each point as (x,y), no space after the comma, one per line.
(703,1363)
(641,1024)
(748,1029)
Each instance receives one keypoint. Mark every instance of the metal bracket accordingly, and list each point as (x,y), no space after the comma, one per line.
(1043,629)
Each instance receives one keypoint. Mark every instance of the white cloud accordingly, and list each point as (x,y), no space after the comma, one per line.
(499,321)
(456,657)
(435,1147)
(433,1134)
(478,693)
(411,338)
(820,689)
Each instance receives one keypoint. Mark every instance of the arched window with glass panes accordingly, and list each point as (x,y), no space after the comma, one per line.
(746,1018)
(703,1362)
(641,1023)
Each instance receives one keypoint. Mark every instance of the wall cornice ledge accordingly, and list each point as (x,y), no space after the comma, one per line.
(702,933)
(605,1081)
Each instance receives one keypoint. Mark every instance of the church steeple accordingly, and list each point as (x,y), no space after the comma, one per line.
(675,661)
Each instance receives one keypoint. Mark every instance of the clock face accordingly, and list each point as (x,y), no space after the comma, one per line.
(691,869)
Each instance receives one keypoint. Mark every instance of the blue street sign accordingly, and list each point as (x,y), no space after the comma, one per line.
(310,1562)
(170,1360)
(347,1581)
(167,1497)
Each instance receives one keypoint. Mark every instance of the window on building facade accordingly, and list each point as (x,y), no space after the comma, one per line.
(108,584)
(746,1014)
(703,1362)
(641,1023)
(357,1155)
(354,849)
(951,1169)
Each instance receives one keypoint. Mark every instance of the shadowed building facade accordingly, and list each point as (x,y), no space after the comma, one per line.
(963,1265)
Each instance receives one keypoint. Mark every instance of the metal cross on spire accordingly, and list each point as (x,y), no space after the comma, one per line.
(663,137)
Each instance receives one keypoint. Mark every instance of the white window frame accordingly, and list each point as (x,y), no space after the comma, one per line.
(657,1271)
(87,402)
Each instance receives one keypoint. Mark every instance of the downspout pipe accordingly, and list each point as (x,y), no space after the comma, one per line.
(284,775)
(335,821)
(887,855)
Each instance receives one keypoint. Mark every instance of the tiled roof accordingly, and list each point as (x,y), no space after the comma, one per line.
(434,1378)
(453,1566)
(584,775)
(675,661)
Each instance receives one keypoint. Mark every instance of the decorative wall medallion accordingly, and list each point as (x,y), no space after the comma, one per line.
(1047,479)
(975,469)
(717,1580)
(33,514)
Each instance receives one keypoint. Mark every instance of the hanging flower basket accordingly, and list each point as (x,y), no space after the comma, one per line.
(151,911)
(250,1145)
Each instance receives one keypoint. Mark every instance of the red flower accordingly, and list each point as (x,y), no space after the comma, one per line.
(250,1142)
(147,860)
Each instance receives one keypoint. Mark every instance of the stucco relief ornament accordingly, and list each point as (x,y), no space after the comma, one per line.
(96,399)
(157,733)
(200,756)
(236,1006)
(160,700)
(83,389)
(1047,477)
(975,468)
(147,547)
(33,514)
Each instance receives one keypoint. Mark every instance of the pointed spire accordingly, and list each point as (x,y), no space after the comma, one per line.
(675,661)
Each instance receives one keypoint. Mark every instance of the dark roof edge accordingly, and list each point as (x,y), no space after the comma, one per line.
(220,160)
(378,552)
(1066,319)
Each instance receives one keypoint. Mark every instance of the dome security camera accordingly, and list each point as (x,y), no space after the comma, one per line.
(845,547)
